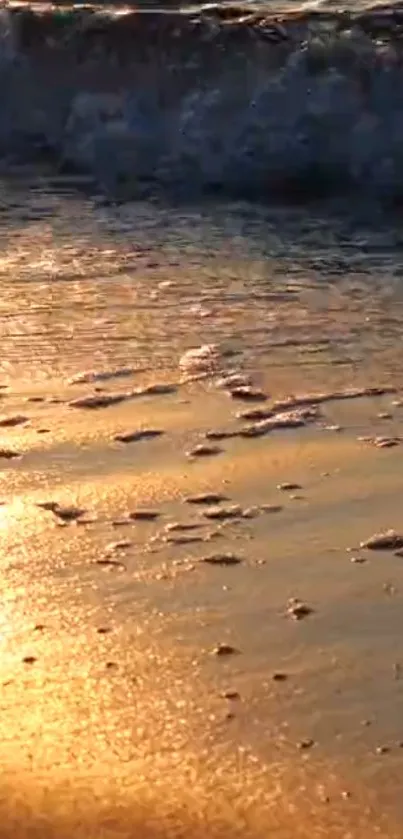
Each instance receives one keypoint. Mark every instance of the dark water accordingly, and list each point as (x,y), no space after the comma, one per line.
(227,102)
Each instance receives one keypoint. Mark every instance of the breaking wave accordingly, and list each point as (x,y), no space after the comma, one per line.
(223,99)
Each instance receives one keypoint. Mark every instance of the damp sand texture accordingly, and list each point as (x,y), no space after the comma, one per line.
(201,535)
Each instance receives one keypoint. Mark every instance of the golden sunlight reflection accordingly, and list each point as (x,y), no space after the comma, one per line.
(5,520)
(151,669)
(16,515)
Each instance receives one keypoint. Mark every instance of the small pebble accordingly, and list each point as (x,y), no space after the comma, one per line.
(318,398)
(224,650)
(298,610)
(233,380)
(66,514)
(382,750)
(222,559)
(161,389)
(172,527)
(93,402)
(248,394)
(137,436)
(305,744)
(102,376)
(11,422)
(255,414)
(231,695)
(103,630)
(381,442)
(220,435)
(9,454)
(119,546)
(86,520)
(206,498)
(257,429)
(358,560)
(112,563)
(250,513)
(29,659)
(203,450)
(279,677)
(292,419)
(144,515)
(389,540)
(221,513)
(288,487)
(182,539)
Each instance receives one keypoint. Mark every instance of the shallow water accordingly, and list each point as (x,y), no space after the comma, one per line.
(126,731)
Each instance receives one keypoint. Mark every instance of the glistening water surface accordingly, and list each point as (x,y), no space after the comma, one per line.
(174,664)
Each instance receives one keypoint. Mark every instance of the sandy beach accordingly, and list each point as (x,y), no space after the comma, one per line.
(201,420)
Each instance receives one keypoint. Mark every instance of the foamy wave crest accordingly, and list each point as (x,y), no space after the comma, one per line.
(219,100)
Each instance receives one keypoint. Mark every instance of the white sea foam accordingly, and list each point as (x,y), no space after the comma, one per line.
(326,115)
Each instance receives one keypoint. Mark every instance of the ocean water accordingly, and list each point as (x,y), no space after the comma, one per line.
(233,102)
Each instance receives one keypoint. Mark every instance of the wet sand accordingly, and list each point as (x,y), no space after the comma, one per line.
(155,679)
